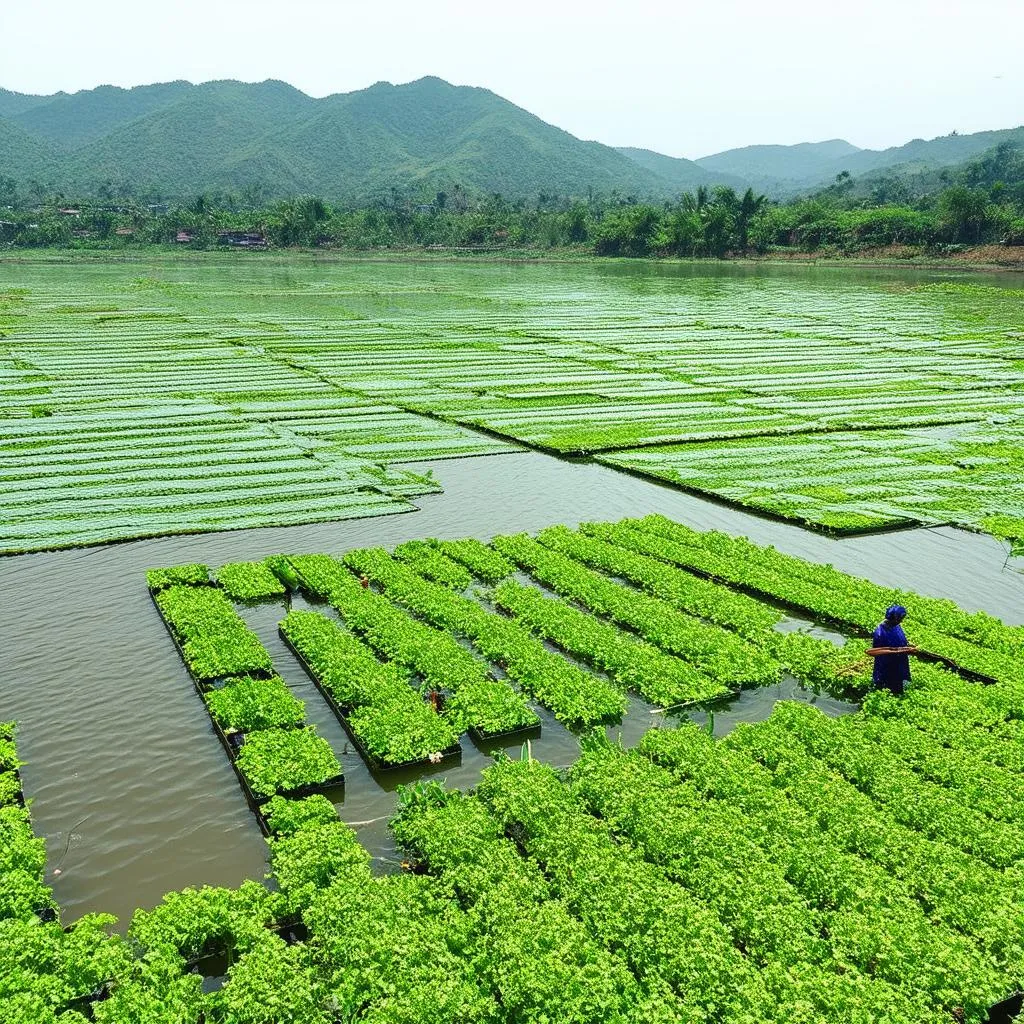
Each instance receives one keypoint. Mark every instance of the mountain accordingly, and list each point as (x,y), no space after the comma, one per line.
(182,147)
(24,157)
(14,103)
(921,154)
(683,175)
(181,139)
(431,133)
(787,170)
(73,119)
(914,179)
(772,167)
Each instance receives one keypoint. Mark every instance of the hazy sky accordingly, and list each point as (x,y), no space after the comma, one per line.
(684,78)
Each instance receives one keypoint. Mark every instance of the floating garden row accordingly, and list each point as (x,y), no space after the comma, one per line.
(258,719)
(612,376)
(649,604)
(391,722)
(854,481)
(976,643)
(573,695)
(473,699)
(719,653)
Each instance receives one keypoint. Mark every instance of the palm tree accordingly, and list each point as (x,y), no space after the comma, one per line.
(746,209)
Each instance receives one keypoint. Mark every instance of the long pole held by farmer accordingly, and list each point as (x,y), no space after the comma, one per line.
(891,652)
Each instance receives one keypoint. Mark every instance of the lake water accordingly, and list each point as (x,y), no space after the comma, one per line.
(131,787)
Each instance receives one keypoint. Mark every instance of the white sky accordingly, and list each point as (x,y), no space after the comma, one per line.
(683,78)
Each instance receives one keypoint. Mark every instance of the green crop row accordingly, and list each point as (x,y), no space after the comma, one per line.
(284,760)
(634,664)
(392,721)
(838,956)
(245,703)
(434,564)
(185,575)
(873,917)
(707,849)
(476,699)
(955,887)
(215,641)
(533,950)
(665,935)
(575,696)
(23,858)
(983,721)
(942,813)
(249,581)
(482,561)
(717,652)
(978,642)
(702,598)
(989,788)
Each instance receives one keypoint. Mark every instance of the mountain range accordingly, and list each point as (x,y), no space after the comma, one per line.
(177,139)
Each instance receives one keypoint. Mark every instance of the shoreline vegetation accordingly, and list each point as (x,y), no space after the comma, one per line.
(969,259)
(972,216)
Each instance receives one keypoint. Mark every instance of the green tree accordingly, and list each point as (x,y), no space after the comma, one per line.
(963,213)
(745,210)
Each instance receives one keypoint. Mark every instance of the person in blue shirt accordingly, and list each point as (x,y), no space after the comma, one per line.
(891,652)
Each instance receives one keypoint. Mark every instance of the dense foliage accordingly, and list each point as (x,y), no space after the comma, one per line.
(436,164)
(801,869)
(981,201)
(249,581)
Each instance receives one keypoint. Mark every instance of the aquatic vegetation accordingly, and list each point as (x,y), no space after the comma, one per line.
(226,402)
(858,868)
(249,581)
(276,761)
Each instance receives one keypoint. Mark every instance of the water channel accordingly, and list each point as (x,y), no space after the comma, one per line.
(132,789)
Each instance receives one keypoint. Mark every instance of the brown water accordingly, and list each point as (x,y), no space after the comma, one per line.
(131,788)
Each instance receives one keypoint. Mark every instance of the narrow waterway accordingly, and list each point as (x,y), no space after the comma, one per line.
(131,788)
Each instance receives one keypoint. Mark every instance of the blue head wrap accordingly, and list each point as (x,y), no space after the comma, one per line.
(895,609)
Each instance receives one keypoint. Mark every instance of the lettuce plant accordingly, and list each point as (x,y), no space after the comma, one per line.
(281,760)
(243,704)
(186,575)
(249,581)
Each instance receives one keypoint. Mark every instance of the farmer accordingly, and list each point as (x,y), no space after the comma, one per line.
(890,651)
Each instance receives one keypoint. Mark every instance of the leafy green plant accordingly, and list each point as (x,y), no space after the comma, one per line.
(288,816)
(196,922)
(244,704)
(307,860)
(179,575)
(249,581)
(272,983)
(281,760)
(10,787)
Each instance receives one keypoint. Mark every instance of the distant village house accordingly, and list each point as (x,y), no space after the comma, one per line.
(242,239)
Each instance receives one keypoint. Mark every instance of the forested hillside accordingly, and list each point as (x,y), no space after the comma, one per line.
(268,140)
(177,139)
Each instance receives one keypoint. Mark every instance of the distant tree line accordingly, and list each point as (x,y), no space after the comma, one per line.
(982,203)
